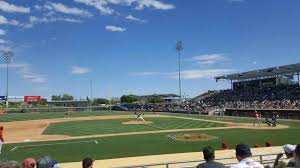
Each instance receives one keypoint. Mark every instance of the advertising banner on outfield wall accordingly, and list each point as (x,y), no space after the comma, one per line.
(16,98)
(32,98)
(2,98)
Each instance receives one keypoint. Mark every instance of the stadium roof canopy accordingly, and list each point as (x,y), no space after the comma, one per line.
(263,73)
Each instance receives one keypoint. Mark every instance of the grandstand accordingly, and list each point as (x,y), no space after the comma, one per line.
(274,76)
(268,90)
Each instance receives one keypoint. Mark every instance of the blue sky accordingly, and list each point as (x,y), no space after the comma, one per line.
(128,46)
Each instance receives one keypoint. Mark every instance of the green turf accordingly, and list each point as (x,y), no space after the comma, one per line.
(139,145)
(49,115)
(80,128)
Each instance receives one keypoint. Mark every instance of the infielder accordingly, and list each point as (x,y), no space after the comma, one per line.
(1,138)
(257,119)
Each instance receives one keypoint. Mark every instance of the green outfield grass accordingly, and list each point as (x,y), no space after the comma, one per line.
(151,144)
(146,144)
(48,115)
(79,128)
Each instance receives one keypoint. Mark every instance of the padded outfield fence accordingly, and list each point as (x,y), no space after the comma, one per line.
(54,109)
(266,159)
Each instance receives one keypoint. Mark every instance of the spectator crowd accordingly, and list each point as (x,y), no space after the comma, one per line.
(278,97)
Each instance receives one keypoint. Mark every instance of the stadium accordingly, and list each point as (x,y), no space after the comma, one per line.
(116,138)
(149,84)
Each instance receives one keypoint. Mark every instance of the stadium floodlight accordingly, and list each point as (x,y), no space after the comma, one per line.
(91,101)
(7,56)
(179,48)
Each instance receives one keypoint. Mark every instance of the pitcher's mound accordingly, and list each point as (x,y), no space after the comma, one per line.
(137,122)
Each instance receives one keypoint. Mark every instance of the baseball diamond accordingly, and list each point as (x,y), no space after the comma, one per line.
(104,136)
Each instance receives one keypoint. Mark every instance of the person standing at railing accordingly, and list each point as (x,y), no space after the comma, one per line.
(244,156)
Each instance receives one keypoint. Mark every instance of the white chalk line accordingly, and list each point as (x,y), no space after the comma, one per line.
(50,144)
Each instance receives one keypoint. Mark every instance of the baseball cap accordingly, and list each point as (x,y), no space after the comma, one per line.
(243,150)
(45,162)
(288,148)
(29,163)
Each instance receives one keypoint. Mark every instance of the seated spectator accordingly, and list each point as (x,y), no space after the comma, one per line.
(45,162)
(288,150)
(29,163)
(87,163)
(297,156)
(9,164)
(244,156)
(209,156)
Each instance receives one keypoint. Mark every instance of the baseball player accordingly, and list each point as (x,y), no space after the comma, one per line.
(139,117)
(274,119)
(1,138)
(257,118)
(66,115)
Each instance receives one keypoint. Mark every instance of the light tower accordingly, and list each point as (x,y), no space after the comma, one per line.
(179,48)
(7,56)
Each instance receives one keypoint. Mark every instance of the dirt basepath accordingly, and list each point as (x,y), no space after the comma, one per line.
(31,131)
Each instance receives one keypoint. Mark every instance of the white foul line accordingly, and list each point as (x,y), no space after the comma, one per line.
(50,144)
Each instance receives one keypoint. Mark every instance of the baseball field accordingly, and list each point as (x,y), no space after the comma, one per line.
(107,135)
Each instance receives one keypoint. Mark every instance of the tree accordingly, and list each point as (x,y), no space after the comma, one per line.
(43,101)
(99,101)
(129,98)
(63,97)
(154,99)
(67,97)
(55,97)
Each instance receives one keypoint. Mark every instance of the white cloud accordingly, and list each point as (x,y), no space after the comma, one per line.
(209,58)
(25,71)
(2,41)
(38,7)
(102,5)
(197,74)
(98,4)
(35,20)
(154,4)
(188,74)
(4,20)
(11,8)
(59,7)
(114,28)
(144,73)
(76,70)
(2,32)
(133,18)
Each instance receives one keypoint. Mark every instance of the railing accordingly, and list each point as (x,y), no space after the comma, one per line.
(263,159)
